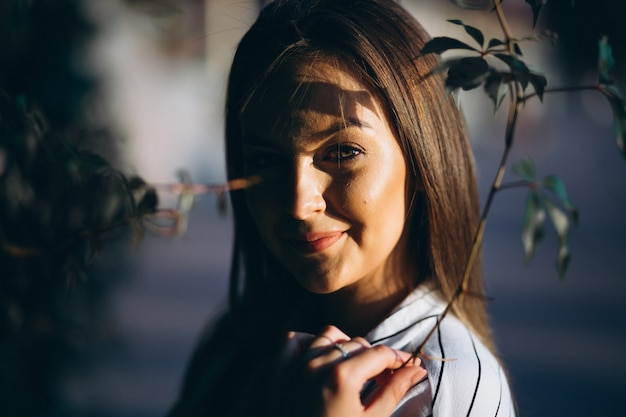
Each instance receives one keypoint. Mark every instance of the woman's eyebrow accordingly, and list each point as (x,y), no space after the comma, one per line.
(338,126)
(345,124)
(260,141)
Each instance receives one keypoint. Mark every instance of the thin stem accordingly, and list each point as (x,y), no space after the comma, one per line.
(564,90)
(514,109)
(504,25)
(514,184)
(195,189)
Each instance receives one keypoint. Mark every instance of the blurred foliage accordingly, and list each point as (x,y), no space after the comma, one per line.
(58,200)
(483,67)
(547,197)
(579,24)
(500,69)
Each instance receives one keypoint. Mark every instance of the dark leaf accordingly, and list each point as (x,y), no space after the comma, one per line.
(456,96)
(517,66)
(536,5)
(471,30)
(474,4)
(442,44)
(467,73)
(606,63)
(618,105)
(135,183)
(533,227)
(519,70)
(517,49)
(495,42)
(556,186)
(90,163)
(561,224)
(149,202)
(525,169)
(496,88)
(538,82)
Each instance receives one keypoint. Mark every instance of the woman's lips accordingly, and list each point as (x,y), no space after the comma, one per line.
(315,242)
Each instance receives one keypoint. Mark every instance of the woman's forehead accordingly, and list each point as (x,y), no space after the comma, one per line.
(323,89)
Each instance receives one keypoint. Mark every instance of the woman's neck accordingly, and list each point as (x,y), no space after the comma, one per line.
(357,310)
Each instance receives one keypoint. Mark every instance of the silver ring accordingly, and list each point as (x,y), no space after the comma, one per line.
(341,348)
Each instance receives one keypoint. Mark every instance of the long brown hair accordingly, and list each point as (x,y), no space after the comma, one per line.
(380,42)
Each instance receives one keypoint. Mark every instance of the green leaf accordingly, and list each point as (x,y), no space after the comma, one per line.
(455,95)
(135,183)
(467,73)
(533,226)
(471,30)
(606,63)
(539,82)
(618,106)
(186,200)
(496,88)
(517,65)
(556,186)
(442,44)
(536,5)
(525,169)
(522,74)
(495,42)
(561,224)
(517,49)
(149,202)
(474,4)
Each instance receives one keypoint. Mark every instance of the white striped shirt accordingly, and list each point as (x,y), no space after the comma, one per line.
(468,382)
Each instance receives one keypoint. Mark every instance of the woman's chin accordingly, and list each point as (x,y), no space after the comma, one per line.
(317,286)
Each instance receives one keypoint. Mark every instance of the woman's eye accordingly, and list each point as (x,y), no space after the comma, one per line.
(342,153)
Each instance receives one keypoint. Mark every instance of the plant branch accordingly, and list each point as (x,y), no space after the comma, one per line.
(563,90)
(516,104)
(19,251)
(515,184)
(505,26)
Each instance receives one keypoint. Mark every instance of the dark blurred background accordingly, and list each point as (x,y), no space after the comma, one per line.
(104,327)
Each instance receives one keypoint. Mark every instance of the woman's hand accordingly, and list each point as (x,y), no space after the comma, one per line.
(327,376)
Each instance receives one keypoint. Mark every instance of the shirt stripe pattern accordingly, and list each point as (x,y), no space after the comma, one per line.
(464,377)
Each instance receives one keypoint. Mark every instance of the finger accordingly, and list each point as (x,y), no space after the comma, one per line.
(397,385)
(350,375)
(369,363)
(338,352)
(328,337)
(378,358)
(323,342)
(406,358)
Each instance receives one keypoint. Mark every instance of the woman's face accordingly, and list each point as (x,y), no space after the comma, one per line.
(331,204)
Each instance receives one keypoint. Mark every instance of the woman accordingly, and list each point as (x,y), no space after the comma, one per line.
(356,236)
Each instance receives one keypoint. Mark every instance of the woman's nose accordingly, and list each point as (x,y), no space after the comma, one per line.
(307,191)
